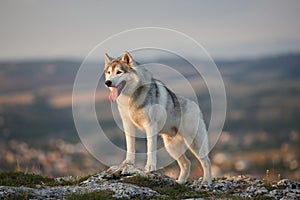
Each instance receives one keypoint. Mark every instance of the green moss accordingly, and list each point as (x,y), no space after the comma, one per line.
(22,196)
(166,189)
(21,179)
(107,195)
(18,179)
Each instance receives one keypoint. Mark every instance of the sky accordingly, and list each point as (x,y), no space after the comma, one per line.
(227,29)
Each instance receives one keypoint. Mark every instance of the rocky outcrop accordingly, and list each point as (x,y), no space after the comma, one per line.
(127,181)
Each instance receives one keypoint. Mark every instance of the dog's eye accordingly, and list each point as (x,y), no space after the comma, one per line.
(108,72)
(119,72)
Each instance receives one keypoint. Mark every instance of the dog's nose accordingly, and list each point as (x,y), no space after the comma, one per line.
(108,83)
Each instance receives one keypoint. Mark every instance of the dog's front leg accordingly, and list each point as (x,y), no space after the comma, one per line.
(151,132)
(130,142)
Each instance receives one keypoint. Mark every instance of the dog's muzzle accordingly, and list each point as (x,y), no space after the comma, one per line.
(115,90)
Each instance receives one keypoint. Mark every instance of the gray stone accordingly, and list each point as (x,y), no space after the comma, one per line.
(114,179)
(290,194)
(261,191)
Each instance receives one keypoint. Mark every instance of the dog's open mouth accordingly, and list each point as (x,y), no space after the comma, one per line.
(116,91)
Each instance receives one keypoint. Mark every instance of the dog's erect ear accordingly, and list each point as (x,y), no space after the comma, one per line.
(107,59)
(126,58)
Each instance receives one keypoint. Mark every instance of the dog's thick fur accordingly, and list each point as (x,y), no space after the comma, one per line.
(148,104)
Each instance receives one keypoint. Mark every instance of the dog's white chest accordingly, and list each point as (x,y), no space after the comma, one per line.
(138,116)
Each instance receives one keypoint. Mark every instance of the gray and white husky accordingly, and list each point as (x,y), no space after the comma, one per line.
(147,104)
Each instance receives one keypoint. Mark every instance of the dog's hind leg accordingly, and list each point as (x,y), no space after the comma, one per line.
(176,148)
(205,162)
(199,148)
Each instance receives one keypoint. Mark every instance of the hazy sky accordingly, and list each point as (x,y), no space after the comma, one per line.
(70,29)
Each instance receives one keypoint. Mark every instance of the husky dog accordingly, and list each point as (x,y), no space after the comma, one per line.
(147,104)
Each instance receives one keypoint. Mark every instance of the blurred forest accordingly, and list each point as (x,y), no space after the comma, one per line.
(37,132)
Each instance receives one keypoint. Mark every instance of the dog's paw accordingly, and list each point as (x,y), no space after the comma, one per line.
(181,181)
(128,162)
(150,167)
(206,182)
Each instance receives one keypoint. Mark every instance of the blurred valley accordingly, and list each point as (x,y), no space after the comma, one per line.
(262,128)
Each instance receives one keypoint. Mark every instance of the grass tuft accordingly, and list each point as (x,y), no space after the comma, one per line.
(18,179)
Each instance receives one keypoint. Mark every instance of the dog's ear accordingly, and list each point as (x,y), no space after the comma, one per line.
(107,59)
(126,58)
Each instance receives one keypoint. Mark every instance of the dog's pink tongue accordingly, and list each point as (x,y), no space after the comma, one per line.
(113,94)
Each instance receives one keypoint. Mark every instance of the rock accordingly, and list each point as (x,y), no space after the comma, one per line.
(115,180)
(290,194)
(123,190)
(261,191)
(283,182)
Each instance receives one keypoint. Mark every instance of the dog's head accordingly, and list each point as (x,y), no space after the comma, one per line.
(117,74)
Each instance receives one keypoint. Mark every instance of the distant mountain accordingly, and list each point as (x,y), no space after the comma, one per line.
(33,75)
(285,66)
